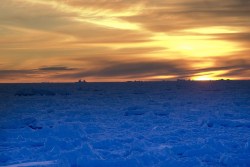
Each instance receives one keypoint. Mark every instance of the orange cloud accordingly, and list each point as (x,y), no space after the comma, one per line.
(123,39)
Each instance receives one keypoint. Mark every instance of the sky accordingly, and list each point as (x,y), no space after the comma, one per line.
(123,40)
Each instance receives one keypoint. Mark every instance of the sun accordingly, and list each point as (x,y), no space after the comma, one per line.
(203,78)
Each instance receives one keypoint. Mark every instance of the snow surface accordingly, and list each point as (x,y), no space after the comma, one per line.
(160,124)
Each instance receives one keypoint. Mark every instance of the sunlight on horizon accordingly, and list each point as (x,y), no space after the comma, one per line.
(203,78)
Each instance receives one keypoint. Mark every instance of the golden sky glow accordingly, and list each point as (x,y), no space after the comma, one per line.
(120,40)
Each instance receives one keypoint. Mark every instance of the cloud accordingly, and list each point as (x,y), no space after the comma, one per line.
(131,69)
(139,69)
(233,67)
(168,16)
(11,72)
(242,38)
(56,68)
(123,38)
(236,67)
(30,15)
(149,69)
(39,72)
(107,4)
(15,75)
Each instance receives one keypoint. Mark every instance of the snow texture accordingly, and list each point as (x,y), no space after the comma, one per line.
(134,124)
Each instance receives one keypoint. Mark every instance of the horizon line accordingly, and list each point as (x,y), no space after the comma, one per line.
(129,81)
